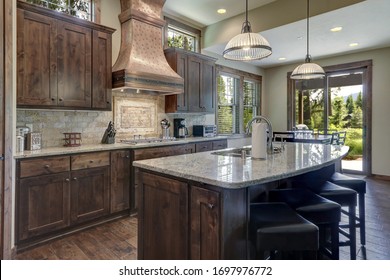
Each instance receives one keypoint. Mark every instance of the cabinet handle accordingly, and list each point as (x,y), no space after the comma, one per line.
(47,166)
(210,205)
(74,179)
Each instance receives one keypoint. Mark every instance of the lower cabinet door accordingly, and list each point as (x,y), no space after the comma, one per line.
(205,224)
(120,181)
(44,204)
(162,218)
(90,193)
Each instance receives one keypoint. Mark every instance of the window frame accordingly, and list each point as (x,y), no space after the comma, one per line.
(242,76)
(95,11)
(182,27)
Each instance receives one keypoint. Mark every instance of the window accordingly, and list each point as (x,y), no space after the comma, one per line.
(78,8)
(238,102)
(182,36)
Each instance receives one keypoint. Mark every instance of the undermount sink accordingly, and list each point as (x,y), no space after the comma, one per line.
(237,152)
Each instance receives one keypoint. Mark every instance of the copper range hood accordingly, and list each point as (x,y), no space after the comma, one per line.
(141,65)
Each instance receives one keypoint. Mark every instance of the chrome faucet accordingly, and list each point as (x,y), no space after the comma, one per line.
(270,131)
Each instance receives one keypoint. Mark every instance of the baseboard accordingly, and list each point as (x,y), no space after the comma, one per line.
(381,177)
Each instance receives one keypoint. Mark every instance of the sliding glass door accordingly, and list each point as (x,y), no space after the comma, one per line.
(339,102)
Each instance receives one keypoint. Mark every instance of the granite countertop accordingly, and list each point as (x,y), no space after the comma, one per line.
(107,147)
(235,172)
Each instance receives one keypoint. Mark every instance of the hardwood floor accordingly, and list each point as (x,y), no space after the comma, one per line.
(118,239)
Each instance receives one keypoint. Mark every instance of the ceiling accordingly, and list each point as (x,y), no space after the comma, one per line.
(366,23)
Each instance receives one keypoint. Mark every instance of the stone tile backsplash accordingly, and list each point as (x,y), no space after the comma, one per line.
(92,124)
(52,124)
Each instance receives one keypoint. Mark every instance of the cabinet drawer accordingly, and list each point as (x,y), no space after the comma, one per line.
(157,152)
(42,166)
(90,160)
(204,146)
(219,144)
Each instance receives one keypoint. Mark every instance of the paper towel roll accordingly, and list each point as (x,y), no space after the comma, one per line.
(259,140)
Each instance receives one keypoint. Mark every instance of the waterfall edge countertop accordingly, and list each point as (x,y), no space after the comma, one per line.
(236,172)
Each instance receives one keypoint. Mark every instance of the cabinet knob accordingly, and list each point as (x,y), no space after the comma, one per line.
(108,102)
(127,156)
(74,179)
(53,99)
(47,166)
(67,180)
(91,161)
(210,205)
(61,99)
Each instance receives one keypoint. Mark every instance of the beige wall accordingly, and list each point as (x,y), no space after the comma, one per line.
(275,100)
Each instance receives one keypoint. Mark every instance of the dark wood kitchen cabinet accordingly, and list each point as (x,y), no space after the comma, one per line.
(44,205)
(168,217)
(205,228)
(180,218)
(198,72)
(43,196)
(62,62)
(90,182)
(149,153)
(120,181)
(59,192)
(89,194)
(210,145)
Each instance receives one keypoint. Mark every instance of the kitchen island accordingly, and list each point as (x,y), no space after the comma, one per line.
(195,206)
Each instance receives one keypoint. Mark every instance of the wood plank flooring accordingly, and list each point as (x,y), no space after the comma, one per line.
(117,240)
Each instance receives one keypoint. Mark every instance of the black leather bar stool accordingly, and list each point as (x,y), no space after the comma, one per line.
(346,198)
(277,227)
(358,185)
(318,210)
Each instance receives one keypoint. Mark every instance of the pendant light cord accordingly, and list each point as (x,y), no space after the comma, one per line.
(307,30)
(246,12)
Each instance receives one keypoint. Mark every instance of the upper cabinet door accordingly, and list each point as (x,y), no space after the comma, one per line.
(208,92)
(37,59)
(74,65)
(101,70)
(63,62)
(194,83)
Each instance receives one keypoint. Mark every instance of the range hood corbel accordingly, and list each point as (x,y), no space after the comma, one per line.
(141,66)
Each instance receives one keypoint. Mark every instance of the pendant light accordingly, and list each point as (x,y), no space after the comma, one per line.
(247,45)
(308,70)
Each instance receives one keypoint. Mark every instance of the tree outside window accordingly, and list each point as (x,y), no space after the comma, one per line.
(78,8)
(181,39)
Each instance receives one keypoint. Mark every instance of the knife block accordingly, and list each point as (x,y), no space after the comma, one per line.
(110,140)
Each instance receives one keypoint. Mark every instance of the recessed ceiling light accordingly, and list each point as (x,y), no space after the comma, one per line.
(221,11)
(282,58)
(353,44)
(336,29)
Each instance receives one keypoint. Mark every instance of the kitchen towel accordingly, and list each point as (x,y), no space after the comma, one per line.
(259,140)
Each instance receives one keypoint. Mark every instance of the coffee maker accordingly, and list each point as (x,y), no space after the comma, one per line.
(179,128)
